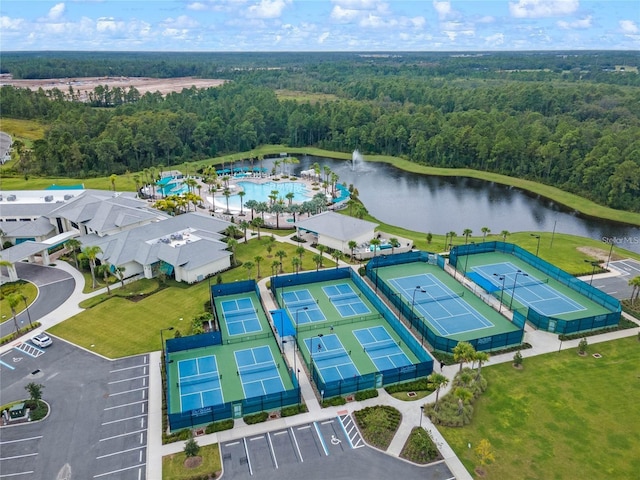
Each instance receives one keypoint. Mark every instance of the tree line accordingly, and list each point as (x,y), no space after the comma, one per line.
(583,138)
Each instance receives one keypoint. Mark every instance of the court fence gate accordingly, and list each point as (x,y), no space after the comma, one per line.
(426,333)
(535,318)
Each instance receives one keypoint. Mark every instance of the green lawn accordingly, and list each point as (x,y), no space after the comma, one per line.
(173,465)
(563,416)
(23,287)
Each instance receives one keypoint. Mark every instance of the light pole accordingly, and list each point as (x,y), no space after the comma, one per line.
(513,290)
(421,414)
(610,252)
(538,247)
(594,264)
(466,260)
(162,340)
(295,361)
(502,278)
(26,307)
(413,302)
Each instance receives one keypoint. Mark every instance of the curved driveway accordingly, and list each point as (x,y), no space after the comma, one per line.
(55,286)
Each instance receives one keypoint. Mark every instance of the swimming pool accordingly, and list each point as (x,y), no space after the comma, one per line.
(260,193)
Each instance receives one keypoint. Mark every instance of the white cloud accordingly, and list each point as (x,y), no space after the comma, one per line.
(197,6)
(107,24)
(268,8)
(495,40)
(323,37)
(542,8)
(56,11)
(443,8)
(357,4)
(344,14)
(487,19)
(583,23)
(183,21)
(7,23)
(628,27)
(418,22)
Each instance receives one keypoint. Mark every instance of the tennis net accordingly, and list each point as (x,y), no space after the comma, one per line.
(249,312)
(344,296)
(329,354)
(381,345)
(529,282)
(439,298)
(307,302)
(257,368)
(208,378)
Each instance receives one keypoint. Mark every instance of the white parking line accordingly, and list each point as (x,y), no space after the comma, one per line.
(118,453)
(123,419)
(19,456)
(7,442)
(127,391)
(7,475)
(273,453)
(295,440)
(126,368)
(126,405)
(246,451)
(118,471)
(231,444)
(127,379)
(121,435)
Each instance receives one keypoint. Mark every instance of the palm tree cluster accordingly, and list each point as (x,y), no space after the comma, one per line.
(634,283)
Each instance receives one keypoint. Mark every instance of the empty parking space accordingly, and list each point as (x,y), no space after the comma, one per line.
(121,451)
(18,457)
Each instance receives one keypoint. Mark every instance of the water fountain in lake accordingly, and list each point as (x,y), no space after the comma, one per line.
(356,160)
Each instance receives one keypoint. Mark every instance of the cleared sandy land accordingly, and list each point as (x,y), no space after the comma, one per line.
(87,84)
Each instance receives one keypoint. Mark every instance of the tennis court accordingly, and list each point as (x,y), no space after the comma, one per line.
(258,371)
(199,383)
(382,349)
(345,300)
(331,359)
(241,316)
(527,289)
(443,308)
(302,306)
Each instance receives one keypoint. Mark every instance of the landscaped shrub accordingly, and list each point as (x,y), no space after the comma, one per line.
(292,410)
(412,386)
(219,426)
(179,436)
(365,394)
(22,331)
(333,402)
(378,424)
(455,409)
(420,447)
(256,418)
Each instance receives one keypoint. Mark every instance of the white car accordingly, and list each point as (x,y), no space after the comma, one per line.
(41,340)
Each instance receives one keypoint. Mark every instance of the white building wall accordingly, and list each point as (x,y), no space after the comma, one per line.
(343,246)
(191,276)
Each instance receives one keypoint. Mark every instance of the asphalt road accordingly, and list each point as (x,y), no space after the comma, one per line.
(618,287)
(97,427)
(54,287)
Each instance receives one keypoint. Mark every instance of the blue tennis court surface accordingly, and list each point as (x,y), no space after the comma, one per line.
(331,359)
(258,372)
(240,316)
(302,306)
(439,305)
(382,349)
(199,383)
(527,289)
(345,300)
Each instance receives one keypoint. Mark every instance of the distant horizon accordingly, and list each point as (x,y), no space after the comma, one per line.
(322,26)
(355,52)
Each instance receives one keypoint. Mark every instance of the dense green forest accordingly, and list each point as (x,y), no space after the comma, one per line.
(560,119)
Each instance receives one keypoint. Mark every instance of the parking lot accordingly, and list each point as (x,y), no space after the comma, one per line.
(319,450)
(618,286)
(97,426)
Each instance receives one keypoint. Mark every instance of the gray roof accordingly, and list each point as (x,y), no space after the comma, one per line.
(341,227)
(21,251)
(39,227)
(26,210)
(132,245)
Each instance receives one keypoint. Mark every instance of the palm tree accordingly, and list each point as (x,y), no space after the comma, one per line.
(438,381)
(261,208)
(249,266)
(467,232)
(300,252)
(278,209)
(73,245)
(289,196)
(485,232)
(281,254)
(463,352)
(504,234)
(251,204)
(296,263)
(463,395)
(13,299)
(634,283)
(352,246)
(90,252)
(26,307)
(337,255)
(317,259)
(103,269)
(232,243)
(244,226)
(257,259)
(393,241)
(451,235)
(446,238)
(227,193)
(119,271)
(480,357)
(257,223)
(232,231)
(241,194)
(321,248)
(275,265)
(375,243)
(294,209)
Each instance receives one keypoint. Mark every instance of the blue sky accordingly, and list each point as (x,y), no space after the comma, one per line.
(319,25)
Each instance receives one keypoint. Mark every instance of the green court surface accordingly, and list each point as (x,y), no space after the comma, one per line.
(482,260)
(230,380)
(251,327)
(342,327)
(500,323)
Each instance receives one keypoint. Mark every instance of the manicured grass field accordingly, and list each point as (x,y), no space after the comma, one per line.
(173,465)
(25,288)
(24,130)
(561,417)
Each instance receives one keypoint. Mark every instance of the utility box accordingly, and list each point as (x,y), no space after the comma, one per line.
(17,411)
